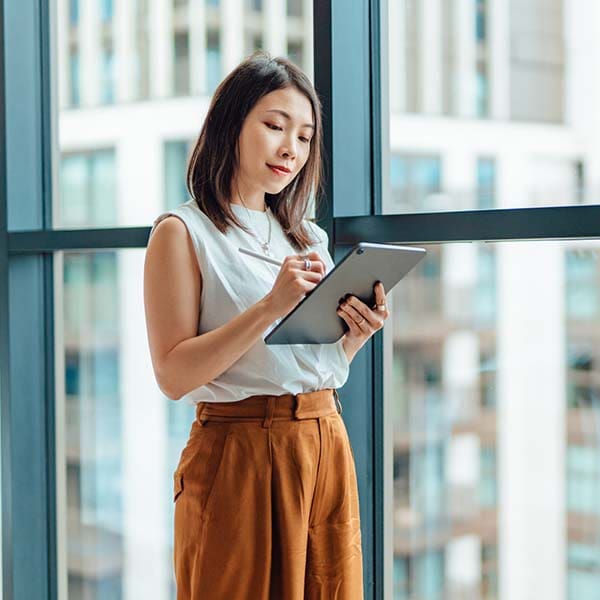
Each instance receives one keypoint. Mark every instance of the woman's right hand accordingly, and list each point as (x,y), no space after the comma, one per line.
(294,282)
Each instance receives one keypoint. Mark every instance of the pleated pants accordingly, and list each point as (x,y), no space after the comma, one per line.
(266,502)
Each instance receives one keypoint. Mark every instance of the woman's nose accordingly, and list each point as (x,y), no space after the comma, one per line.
(289,147)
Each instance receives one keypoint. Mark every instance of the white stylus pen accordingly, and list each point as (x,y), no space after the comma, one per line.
(262,257)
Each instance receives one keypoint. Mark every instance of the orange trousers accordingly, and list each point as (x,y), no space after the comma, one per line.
(266,502)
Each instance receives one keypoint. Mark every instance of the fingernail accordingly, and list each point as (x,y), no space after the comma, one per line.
(340,300)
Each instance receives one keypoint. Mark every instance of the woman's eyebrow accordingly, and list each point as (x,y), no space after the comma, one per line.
(287,116)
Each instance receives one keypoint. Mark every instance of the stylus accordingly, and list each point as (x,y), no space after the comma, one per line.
(265,258)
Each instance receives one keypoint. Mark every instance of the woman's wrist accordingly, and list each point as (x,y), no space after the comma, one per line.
(349,348)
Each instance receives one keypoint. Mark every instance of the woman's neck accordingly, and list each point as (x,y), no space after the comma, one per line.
(244,196)
(262,210)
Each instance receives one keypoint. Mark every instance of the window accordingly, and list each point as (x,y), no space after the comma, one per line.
(483,86)
(141,59)
(213,61)
(464,364)
(583,471)
(182,63)
(488,370)
(489,572)
(415,181)
(254,41)
(537,60)
(412,77)
(295,53)
(88,189)
(420,576)
(448,42)
(106,10)
(584,571)
(480,20)
(176,157)
(108,75)
(482,49)
(254,5)
(545,76)
(486,293)
(488,495)
(74,99)
(583,284)
(94,437)
(73,12)
(294,8)
(486,183)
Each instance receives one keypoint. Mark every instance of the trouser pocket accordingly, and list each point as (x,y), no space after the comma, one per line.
(177,485)
(200,463)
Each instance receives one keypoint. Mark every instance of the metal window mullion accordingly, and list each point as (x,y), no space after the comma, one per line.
(5,417)
(379,437)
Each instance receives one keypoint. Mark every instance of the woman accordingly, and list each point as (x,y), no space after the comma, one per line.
(266,499)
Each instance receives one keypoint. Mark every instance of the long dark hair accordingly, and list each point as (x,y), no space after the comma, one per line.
(214,160)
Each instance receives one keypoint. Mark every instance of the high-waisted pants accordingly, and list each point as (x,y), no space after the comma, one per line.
(266,502)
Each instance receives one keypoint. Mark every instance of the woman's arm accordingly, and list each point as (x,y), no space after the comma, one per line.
(219,349)
(348,349)
(181,359)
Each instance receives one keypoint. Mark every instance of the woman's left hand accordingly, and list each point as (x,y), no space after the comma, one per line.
(362,320)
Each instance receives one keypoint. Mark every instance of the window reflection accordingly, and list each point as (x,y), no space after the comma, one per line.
(467,79)
(123,438)
(148,68)
(88,189)
(94,443)
(135,80)
(466,370)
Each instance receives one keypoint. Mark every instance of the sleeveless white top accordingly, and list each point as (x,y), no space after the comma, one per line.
(231,283)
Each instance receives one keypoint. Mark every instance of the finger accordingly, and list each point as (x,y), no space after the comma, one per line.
(316,262)
(352,326)
(379,291)
(362,310)
(314,266)
(359,319)
(380,298)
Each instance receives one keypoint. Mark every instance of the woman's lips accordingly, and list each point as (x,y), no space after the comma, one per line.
(278,171)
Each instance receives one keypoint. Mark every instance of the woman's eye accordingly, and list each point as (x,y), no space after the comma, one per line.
(277,128)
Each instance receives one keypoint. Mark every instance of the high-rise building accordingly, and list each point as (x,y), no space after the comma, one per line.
(496,453)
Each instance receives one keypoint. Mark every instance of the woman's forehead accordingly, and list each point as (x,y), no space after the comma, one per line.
(289,100)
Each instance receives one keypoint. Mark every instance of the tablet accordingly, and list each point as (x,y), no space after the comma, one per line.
(314,319)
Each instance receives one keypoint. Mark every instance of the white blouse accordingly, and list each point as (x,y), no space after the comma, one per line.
(231,283)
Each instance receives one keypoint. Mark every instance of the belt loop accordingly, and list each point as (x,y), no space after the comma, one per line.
(337,401)
(199,410)
(269,412)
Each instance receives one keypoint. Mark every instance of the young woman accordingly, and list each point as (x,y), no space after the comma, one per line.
(266,498)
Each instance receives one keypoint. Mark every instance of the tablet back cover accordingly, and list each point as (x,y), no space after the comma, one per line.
(315,321)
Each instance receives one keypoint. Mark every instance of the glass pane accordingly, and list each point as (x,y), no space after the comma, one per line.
(495,87)
(123,436)
(496,422)
(135,77)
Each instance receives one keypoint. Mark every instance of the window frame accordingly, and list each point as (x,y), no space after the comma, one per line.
(349,66)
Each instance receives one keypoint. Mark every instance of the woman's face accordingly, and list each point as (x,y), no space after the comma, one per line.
(276,133)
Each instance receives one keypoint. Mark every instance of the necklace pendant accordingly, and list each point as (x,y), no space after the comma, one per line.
(265,247)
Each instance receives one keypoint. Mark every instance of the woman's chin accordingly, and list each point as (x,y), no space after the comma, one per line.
(274,189)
